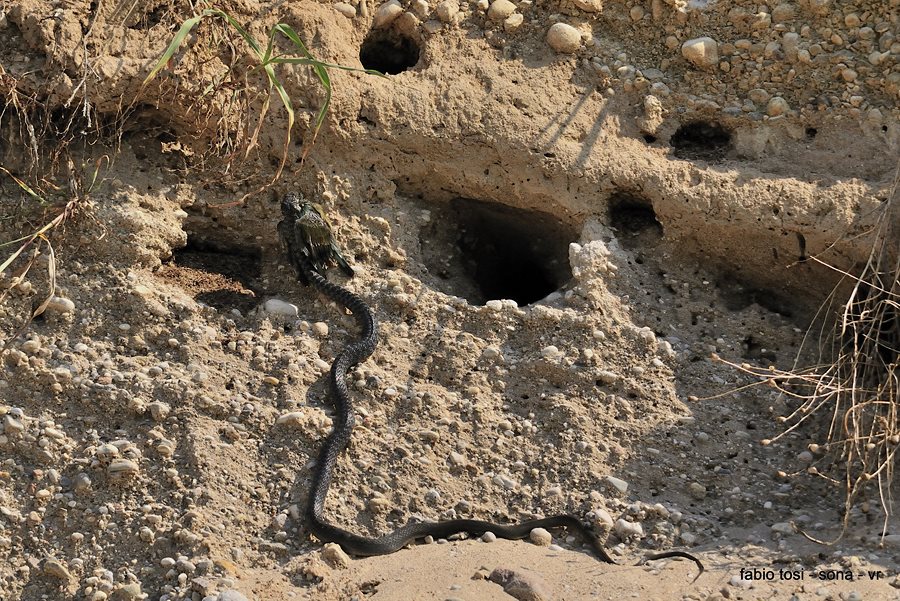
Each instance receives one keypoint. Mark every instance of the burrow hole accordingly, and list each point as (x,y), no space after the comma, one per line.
(222,277)
(634,220)
(703,140)
(389,52)
(483,251)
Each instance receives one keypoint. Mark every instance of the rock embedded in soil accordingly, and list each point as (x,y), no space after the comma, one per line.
(590,6)
(521,585)
(122,468)
(783,528)
(446,11)
(335,556)
(345,9)
(603,518)
(777,106)
(386,14)
(617,483)
(702,52)
(513,22)
(625,529)
(55,568)
(279,307)
(564,38)
(500,10)
(59,304)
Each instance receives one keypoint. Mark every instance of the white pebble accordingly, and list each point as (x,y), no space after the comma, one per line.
(293,418)
(617,483)
(61,304)
(624,529)
(564,38)
(276,306)
(513,22)
(702,52)
(550,353)
(494,305)
(488,537)
(345,9)
(320,329)
(387,13)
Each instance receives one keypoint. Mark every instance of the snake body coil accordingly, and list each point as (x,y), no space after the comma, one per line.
(304,231)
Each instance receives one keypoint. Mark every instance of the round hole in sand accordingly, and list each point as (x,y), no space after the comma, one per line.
(485,251)
(634,219)
(389,52)
(704,140)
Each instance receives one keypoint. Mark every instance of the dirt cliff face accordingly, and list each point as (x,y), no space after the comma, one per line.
(558,211)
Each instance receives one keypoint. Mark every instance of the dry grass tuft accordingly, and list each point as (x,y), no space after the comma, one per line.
(853,393)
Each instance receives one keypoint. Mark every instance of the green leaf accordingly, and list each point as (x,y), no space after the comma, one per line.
(174,45)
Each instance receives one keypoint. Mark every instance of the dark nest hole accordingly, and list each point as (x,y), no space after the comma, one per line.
(224,278)
(701,140)
(634,220)
(737,294)
(389,52)
(484,251)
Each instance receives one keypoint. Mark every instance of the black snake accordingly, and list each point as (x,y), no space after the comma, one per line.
(306,233)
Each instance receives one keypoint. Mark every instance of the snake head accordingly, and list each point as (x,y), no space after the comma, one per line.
(307,234)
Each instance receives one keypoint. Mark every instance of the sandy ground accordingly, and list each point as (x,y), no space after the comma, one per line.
(557,228)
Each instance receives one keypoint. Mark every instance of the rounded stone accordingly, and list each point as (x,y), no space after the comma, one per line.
(59,304)
(275,306)
(564,38)
(540,537)
(702,52)
(777,106)
(447,10)
(386,14)
(590,6)
(345,9)
(500,10)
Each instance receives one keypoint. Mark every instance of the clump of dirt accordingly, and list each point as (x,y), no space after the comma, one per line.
(559,211)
